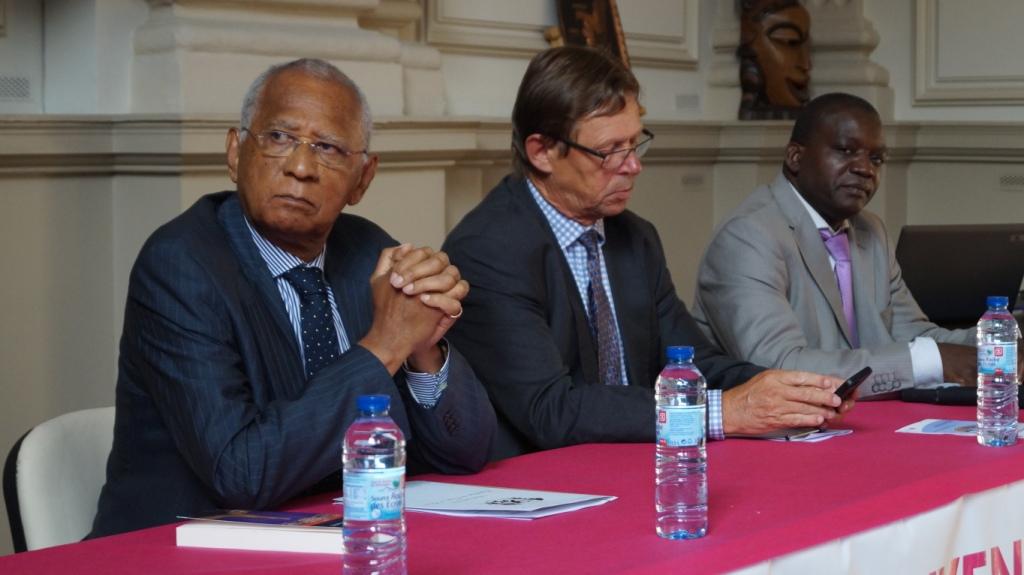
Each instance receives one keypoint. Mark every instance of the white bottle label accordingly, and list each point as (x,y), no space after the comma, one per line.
(372,494)
(993,356)
(681,426)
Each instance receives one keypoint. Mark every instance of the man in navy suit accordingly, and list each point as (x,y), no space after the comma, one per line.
(256,318)
(572,304)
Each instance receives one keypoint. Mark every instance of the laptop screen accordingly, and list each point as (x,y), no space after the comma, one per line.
(952,269)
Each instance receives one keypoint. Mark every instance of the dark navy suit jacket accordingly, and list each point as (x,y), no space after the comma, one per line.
(213,408)
(526,334)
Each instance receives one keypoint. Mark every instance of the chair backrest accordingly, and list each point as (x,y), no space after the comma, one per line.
(53,477)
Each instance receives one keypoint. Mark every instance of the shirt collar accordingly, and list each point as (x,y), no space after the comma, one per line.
(567,230)
(819,222)
(278,260)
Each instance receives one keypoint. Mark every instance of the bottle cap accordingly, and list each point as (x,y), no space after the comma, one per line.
(373,403)
(997,301)
(679,352)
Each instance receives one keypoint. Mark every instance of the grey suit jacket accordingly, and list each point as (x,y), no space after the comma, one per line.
(213,407)
(767,293)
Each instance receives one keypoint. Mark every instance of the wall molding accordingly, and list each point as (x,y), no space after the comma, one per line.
(146,144)
(933,89)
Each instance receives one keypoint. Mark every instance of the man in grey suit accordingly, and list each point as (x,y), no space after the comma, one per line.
(256,318)
(800,277)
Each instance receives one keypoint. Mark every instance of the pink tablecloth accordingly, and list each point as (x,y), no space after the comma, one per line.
(766,499)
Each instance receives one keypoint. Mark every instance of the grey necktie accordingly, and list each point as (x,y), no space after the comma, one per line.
(602,320)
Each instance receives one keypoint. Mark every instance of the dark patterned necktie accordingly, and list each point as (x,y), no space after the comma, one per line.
(602,320)
(319,338)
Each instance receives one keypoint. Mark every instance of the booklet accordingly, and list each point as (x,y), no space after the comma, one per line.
(798,434)
(264,531)
(501,502)
(947,427)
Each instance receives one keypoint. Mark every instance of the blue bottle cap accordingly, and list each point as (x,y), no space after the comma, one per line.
(679,352)
(373,403)
(997,301)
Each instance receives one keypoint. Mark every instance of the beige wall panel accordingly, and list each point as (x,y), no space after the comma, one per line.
(959,193)
(56,337)
(679,201)
(408,203)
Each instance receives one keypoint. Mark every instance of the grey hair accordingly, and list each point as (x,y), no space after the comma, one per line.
(317,68)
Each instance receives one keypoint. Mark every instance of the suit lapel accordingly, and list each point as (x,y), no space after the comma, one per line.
(863,274)
(567,284)
(812,249)
(255,270)
(350,284)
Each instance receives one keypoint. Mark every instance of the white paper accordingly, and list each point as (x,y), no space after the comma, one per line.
(501,502)
(964,428)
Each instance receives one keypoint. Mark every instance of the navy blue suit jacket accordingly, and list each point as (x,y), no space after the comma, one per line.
(213,408)
(526,334)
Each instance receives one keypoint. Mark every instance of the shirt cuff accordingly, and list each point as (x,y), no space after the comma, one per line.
(925,360)
(716,429)
(426,388)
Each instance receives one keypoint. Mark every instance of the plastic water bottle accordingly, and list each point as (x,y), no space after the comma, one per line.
(681,476)
(997,375)
(373,474)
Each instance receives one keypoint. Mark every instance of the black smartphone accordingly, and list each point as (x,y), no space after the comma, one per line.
(845,390)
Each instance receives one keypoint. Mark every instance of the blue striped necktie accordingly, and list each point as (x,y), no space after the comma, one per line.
(602,320)
(319,338)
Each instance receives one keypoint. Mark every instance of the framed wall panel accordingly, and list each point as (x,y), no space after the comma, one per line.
(965,57)
(659,33)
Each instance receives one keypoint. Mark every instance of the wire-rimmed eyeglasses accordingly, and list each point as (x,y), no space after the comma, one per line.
(281,144)
(613,160)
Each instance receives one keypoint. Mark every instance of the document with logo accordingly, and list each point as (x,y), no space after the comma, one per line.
(501,502)
(947,427)
(803,434)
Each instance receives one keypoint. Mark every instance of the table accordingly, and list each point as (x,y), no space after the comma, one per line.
(767,500)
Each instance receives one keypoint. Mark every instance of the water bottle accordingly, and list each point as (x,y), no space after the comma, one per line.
(373,474)
(681,476)
(997,375)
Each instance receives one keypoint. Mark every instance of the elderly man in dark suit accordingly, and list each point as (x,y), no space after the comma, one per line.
(572,304)
(256,318)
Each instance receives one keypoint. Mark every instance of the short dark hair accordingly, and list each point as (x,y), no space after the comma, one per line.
(561,86)
(823,107)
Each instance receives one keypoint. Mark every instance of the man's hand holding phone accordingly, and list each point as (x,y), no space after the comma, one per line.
(846,392)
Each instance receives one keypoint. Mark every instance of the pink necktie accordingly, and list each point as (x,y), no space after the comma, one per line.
(838,246)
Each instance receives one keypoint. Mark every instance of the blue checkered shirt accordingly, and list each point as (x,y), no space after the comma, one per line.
(426,388)
(567,232)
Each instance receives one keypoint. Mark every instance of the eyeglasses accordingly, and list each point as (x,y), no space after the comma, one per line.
(281,144)
(614,159)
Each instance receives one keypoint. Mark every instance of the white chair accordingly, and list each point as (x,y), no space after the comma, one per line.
(53,476)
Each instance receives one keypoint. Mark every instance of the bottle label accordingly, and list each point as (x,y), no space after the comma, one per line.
(993,356)
(372,494)
(681,426)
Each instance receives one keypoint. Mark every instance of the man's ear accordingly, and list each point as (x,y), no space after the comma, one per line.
(794,154)
(366,174)
(232,144)
(539,152)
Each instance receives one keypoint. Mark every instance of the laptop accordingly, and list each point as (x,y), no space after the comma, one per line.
(947,394)
(951,270)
